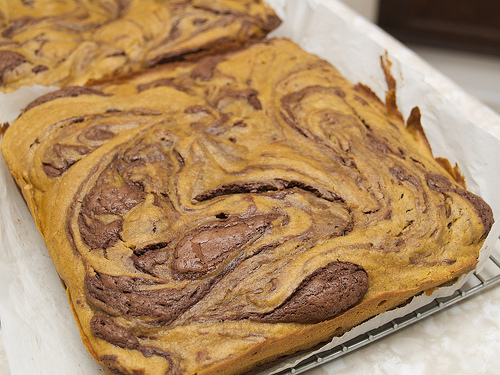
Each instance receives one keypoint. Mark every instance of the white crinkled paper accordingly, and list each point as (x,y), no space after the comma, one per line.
(38,329)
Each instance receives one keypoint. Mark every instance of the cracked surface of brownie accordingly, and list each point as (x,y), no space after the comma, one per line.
(69,42)
(210,217)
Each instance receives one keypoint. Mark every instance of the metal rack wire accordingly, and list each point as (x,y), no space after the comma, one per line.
(479,281)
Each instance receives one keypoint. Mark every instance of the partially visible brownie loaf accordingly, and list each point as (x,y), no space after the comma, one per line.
(213,217)
(71,42)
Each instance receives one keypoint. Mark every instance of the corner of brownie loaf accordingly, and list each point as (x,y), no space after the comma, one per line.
(76,42)
(214,216)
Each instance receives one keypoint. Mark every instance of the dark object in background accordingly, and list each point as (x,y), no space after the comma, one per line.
(459,24)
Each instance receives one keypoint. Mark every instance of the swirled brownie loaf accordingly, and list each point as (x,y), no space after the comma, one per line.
(69,42)
(213,217)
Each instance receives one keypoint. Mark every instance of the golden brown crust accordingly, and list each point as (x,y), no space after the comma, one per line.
(196,210)
(73,42)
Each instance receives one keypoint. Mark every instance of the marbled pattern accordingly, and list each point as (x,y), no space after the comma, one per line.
(397,355)
(210,199)
(76,41)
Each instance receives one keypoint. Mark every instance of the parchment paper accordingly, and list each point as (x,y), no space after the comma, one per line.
(38,328)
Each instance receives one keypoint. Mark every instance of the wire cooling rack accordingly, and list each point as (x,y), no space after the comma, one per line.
(479,281)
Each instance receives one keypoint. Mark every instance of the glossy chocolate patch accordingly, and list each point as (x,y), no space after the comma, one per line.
(206,248)
(323,295)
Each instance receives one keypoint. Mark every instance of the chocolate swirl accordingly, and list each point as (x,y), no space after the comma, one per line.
(9,61)
(324,294)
